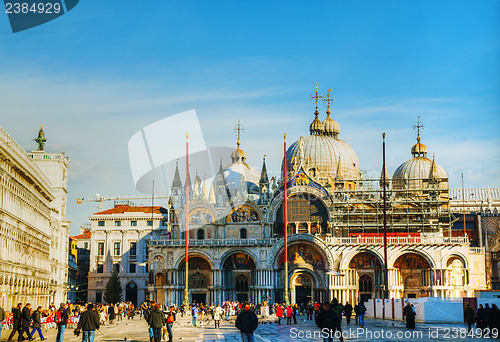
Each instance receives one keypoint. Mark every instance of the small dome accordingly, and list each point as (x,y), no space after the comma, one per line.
(238,155)
(419,149)
(411,173)
(316,127)
(331,127)
(238,174)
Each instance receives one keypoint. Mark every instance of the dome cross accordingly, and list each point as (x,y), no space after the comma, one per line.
(316,96)
(238,129)
(418,127)
(329,100)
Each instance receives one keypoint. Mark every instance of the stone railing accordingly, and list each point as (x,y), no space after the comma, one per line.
(398,240)
(214,242)
(477,250)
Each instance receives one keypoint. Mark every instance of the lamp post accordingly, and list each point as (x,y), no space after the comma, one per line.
(386,274)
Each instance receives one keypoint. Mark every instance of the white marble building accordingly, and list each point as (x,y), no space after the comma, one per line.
(118,238)
(33,227)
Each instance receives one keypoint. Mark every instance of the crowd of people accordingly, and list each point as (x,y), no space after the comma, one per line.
(486,318)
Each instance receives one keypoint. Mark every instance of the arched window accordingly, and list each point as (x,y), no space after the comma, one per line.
(198,280)
(201,234)
(365,283)
(243,233)
(241,283)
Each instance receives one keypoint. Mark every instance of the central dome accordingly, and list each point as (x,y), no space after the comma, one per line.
(324,156)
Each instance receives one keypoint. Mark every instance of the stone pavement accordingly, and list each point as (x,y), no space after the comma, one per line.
(376,329)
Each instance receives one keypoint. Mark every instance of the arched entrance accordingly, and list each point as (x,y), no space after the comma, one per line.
(131,293)
(368,273)
(198,278)
(415,273)
(238,276)
(303,285)
(306,267)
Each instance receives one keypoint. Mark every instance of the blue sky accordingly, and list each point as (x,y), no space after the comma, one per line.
(106,69)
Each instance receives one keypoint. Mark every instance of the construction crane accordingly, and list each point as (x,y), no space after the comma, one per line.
(102,199)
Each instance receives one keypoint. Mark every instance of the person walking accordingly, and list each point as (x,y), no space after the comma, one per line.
(170,322)
(37,323)
(317,307)
(279,313)
(16,326)
(247,322)
(469,317)
(2,318)
(194,313)
(328,322)
(348,312)
(479,317)
(486,316)
(111,313)
(294,313)
(289,313)
(147,318)
(361,314)
(310,312)
(494,319)
(131,311)
(120,313)
(409,316)
(218,312)
(61,318)
(157,322)
(88,324)
(25,323)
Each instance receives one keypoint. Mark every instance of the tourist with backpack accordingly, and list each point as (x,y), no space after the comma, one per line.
(61,319)
(194,313)
(36,317)
(170,322)
(147,318)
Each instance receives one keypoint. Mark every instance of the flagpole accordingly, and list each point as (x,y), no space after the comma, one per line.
(386,275)
(285,219)
(186,286)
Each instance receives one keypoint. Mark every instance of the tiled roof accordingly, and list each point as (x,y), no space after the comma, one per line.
(120,209)
(475,194)
(86,235)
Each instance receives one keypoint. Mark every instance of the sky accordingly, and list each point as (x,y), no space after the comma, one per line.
(98,74)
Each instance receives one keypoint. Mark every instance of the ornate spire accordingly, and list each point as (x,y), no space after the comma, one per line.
(338,176)
(329,100)
(418,127)
(433,171)
(204,192)
(196,188)
(316,127)
(263,174)
(211,196)
(330,126)
(41,139)
(176,183)
(316,96)
(238,129)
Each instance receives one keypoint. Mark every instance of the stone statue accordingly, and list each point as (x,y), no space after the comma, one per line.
(301,149)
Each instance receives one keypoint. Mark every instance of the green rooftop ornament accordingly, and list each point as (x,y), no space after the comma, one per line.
(41,139)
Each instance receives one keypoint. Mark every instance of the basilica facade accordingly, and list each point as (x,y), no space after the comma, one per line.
(335,230)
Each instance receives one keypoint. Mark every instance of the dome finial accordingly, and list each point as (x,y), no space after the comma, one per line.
(419,149)
(329,100)
(418,127)
(316,127)
(330,126)
(238,129)
(316,97)
(238,155)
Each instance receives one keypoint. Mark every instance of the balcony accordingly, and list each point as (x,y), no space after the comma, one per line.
(398,240)
(214,242)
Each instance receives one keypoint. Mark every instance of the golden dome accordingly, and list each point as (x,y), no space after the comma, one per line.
(316,127)
(238,155)
(330,126)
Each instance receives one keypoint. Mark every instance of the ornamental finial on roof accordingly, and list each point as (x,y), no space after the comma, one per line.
(418,127)
(329,100)
(238,129)
(41,139)
(316,96)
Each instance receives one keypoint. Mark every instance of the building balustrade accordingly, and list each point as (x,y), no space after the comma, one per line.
(214,242)
(398,240)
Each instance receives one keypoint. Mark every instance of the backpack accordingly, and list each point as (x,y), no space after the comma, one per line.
(58,317)
(170,318)
(362,309)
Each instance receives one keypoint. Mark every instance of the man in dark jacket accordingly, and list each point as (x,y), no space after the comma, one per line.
(247,322)
(147,317)
(157,319)
(111,313)
(89,323)
(469,316)
(2,318)
(348,312)
(61,318)
(409,316)
(25,323)
(16,326)
(327,320)
(36,317)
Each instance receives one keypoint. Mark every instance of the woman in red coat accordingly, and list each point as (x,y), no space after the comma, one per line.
(289,314)
(279,313)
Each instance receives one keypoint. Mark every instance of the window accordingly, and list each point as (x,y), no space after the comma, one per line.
(100,223)
(150,223)
(117,248)
(118,223)
(100,268)
(116,267)
(131,268)
(100,248)
(133,223)
(86,245)
(243,233)
(133,248)
(164,223)
(98,297)
(200,234)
